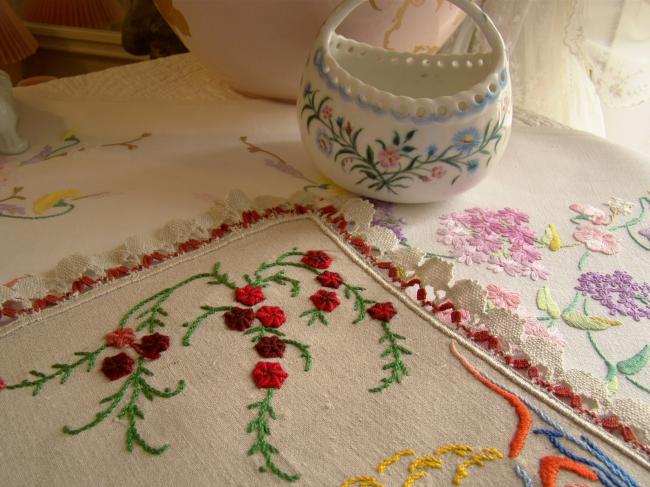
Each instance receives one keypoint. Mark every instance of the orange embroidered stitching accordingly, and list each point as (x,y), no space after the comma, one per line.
(550,466)
(525,418)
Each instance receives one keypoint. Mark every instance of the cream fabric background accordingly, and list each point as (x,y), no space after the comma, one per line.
(329,426)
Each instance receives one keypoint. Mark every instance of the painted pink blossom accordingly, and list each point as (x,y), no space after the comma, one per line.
(502,298)
(500,240)
(597,238)
(438,172)
(389,156)
(327,112)
(591,213)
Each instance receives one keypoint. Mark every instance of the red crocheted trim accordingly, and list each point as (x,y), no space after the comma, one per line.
(330,215)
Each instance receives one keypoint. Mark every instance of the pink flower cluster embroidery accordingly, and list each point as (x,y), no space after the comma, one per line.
(498,239)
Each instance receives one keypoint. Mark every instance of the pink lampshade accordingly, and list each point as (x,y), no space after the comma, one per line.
(16,42)
(91,14)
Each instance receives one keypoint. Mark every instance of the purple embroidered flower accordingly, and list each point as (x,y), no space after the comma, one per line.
(617,292)
(384,217)
(500,240)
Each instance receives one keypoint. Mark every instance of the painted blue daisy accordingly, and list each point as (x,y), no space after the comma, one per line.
(324,142)
(466,140)
(472,165)
(431,150)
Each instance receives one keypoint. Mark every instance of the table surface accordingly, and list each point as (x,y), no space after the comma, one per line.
(122,153)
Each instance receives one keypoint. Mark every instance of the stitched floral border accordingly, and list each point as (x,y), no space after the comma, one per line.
(496,330)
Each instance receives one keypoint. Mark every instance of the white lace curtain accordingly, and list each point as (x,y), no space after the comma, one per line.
(568,57)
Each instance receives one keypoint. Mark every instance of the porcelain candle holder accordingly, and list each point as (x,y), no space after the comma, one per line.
(401,127)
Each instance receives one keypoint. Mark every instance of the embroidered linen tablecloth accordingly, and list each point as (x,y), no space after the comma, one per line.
(498,338)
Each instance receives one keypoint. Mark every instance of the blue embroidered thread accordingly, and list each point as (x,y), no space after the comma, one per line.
(525,478)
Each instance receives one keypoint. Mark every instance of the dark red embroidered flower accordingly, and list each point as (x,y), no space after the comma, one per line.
(382,311)
(330,279)
(325,300)
(269,375)
(117,366)
(270,347)
(239,319)
(317,259)
(249,295)
(3,384)
(152,345)
(271,316)
(120,338)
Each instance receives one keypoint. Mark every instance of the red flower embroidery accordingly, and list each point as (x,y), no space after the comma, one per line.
(270,347)
(120,338)
(271,316)
(330,279)
(317,259)
(3,384)
(269,375)
(325,300)
(382,311)
(117,366)
(249,295)
(239,319)
(152,345)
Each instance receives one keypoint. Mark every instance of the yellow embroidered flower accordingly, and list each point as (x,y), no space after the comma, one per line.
(48,200)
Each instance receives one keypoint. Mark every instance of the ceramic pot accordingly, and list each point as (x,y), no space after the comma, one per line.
(259,46)
(402,127)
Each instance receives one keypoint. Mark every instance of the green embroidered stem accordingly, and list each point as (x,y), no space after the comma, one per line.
(583,260)
(194,324)
(15,195)
(314,314)
(305,352)
(162,296)
(62,370)
(69,208)
(360,303)
(640,386)
(324,186)
(221,278)
(280,277)
(261,428)
(73,139)
(573,304)
(644,204)
(397,368)
(138,385)
(611,369)
(262,331)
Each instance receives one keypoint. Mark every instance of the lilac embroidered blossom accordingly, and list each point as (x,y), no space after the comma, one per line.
(384,217)
(500,240)
(617,292)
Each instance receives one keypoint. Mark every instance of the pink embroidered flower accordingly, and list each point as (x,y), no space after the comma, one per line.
(325,300)
(532,327)
(330,279)
(501,298)
(117,366)
(595,215)
(271,316)
(597,239)
(120,338)
(269,375)
(438,172)
(327,112)
(249,295)
(498,239)
(382,311)
(389,156)
(3,384)
(151,346)
(317,259)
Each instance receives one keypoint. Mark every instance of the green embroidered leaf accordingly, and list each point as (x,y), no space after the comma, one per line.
(545,302)
(582,322)
(634,364)
(612,385)
(548,236)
